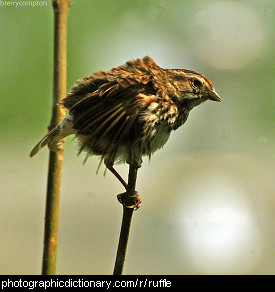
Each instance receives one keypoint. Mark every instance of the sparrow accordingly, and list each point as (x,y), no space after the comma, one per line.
(128,112)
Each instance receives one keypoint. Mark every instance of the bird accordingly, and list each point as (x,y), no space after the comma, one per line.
(128,112)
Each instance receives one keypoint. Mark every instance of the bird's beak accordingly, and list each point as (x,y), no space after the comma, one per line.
(213,95)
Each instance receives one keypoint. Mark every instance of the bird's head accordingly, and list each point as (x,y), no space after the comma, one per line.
(192,88)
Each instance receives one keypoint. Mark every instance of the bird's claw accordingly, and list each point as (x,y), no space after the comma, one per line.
(132,201)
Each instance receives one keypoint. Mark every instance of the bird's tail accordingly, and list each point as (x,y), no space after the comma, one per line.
(61,131)
(46,140)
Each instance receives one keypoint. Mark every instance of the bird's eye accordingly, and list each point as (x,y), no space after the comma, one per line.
(197,83)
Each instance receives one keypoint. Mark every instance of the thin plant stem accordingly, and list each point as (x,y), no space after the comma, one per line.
(126,222)
(60,8)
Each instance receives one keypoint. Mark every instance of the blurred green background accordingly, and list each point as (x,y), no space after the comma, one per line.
(208,196)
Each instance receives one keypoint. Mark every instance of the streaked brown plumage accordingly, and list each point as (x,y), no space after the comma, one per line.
(130,111)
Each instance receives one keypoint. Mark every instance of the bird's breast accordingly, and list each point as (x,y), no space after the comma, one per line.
(155,139)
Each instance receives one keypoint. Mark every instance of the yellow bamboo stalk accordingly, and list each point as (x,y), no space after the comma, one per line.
(60,8)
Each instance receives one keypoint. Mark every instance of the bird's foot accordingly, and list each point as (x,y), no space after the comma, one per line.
(132,201)
(136,162)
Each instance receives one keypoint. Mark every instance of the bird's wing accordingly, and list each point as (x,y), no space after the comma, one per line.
(112,113)
(84,87)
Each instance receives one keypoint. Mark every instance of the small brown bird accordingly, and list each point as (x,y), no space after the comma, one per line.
(130,111)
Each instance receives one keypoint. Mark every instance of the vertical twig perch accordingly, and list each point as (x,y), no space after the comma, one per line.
(126,222)
(56,157)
